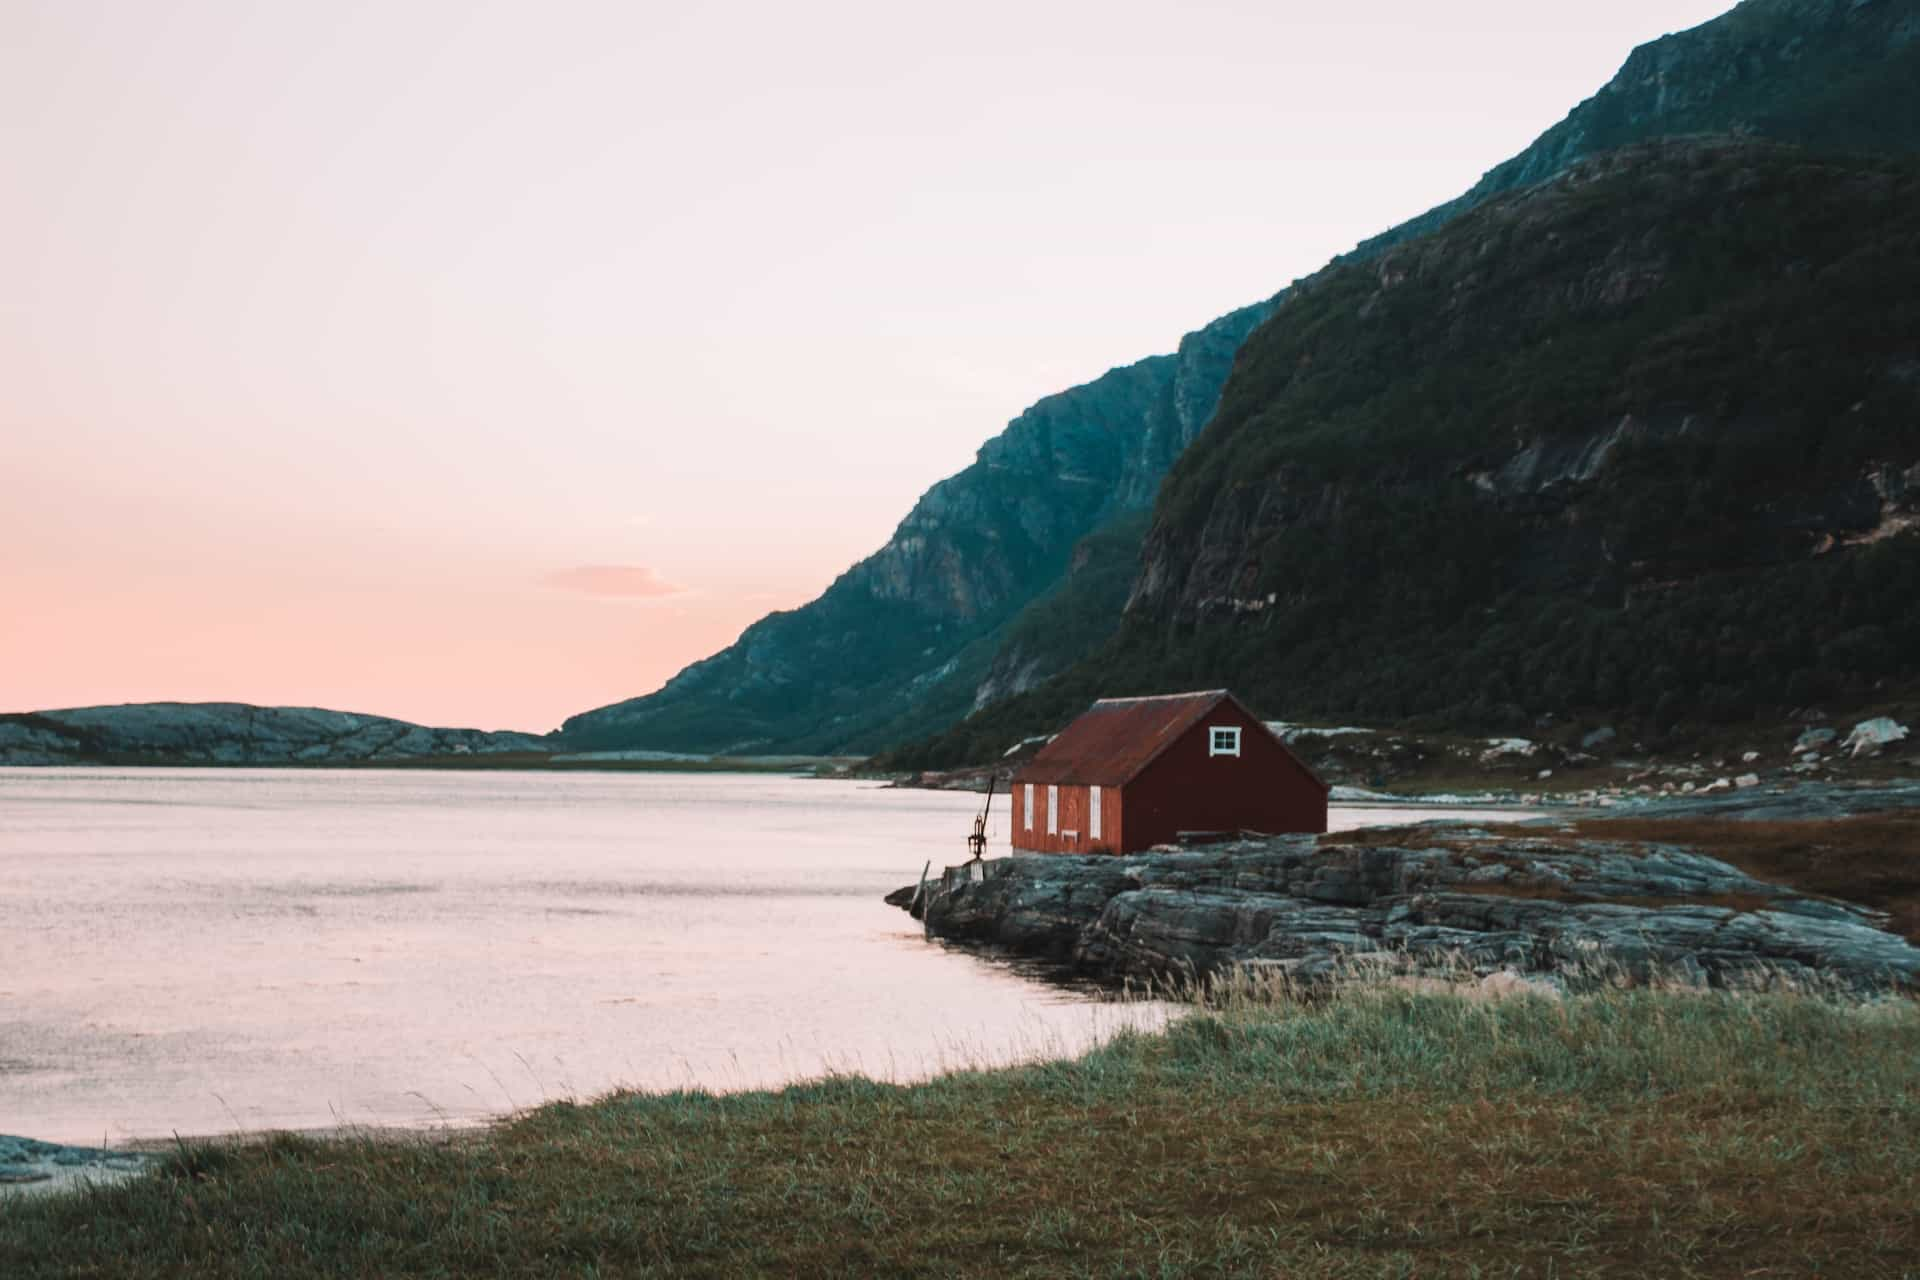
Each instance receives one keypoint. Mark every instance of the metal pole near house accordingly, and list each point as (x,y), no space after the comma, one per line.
(977,841)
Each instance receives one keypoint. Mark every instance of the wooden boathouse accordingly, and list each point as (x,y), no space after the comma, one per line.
(1131,773)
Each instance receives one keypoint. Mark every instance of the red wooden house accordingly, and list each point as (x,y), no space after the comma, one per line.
(1135,772)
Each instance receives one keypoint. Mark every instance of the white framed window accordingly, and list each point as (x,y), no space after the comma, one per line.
(1223,740)
(1093,813)
(1053,810)
(1027,806)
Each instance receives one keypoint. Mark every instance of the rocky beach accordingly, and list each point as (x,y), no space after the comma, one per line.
(1569,904)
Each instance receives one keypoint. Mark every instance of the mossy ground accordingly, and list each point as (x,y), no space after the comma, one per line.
(1381,1133)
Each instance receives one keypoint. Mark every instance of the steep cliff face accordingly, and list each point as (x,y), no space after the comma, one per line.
(929,627)
(1072,619)
(895,644)
(1644,439)
(1831,74)
(1729,325)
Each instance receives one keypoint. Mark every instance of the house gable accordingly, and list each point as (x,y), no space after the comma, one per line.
(1192,787)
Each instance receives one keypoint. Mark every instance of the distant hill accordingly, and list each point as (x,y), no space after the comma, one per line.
(232,733)
(964,607)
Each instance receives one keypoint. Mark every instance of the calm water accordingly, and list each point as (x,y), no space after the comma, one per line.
(209,950)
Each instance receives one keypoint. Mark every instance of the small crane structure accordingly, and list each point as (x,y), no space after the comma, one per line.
(977,840)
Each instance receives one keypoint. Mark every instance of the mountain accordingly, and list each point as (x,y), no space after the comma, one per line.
(903,637)
(960,609)
(1642,440)
(1832,74)
(233,733)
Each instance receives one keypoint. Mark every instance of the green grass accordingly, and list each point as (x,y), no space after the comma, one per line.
(1380,1134)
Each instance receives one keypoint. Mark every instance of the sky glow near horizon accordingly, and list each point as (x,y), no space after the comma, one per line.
(480,363)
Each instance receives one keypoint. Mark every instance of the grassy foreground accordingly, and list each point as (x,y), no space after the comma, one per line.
(1381,1134)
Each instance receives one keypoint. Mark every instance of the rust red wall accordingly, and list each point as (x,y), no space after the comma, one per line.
(1264,788)
(1076,830)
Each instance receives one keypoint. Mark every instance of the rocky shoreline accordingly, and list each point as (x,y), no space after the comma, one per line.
(1439,899)
(31,1167)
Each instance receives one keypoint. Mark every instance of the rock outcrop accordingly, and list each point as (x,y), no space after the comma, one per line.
(1573,911)
(233,733)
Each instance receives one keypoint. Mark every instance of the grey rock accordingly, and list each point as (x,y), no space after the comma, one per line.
(1813,740)
(1803,802)
(1569,911)
(1870,736)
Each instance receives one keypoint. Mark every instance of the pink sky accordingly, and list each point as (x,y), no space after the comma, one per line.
(482,363)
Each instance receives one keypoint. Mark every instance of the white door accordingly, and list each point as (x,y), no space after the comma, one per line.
(1053,810)
(1093,813)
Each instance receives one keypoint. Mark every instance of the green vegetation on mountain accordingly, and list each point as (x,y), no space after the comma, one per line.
(930,627)
(1829,74)
(1641,440)
(904,639)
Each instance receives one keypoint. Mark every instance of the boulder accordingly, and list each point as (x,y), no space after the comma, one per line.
(1870,736)
(1813,740)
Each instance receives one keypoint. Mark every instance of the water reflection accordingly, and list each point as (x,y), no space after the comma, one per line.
(208,950)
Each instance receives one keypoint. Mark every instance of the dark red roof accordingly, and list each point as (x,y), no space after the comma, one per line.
(1116,738)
